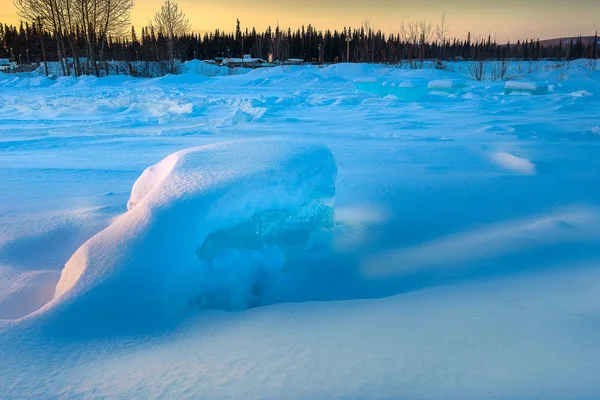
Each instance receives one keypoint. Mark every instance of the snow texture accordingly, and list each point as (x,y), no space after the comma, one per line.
(461,261)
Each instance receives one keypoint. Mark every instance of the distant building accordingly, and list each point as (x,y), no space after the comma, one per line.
(247,62)
(294,61)
(6,65)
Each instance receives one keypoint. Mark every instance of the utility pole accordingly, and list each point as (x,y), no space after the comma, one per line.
(347,48)
(27,52)
(42,44)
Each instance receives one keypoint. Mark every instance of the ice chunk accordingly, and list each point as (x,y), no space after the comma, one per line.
(207,226)
(411,89)
(447,85)
(368,85)
(525,87)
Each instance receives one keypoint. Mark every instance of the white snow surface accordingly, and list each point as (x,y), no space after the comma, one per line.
(460,260)
(513,163)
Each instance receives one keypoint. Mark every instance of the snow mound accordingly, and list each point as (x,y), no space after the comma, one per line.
(513,163)
(206,227)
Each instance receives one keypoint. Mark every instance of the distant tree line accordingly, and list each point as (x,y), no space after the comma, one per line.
(417,42)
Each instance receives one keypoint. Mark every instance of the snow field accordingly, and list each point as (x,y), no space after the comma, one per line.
(459,258)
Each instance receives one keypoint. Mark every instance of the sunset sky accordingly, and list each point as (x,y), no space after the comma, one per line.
(507,19)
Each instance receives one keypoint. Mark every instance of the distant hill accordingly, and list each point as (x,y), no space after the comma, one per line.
(566,40)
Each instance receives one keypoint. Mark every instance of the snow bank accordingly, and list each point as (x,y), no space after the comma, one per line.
(207,227)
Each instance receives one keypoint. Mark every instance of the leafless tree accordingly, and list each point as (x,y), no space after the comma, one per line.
(41,33)
(171,22)
(441,32)
(115,17)
(35,11)
(476,69)
(276,47)
(368,46)
(424,37)
(44,12)
(96,19)
(409,33)
(101,18)
(500,70)
(403,34)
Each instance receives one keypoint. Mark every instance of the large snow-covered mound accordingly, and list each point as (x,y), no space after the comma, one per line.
(207,227)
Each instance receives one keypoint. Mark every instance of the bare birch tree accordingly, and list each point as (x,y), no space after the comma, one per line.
(95,19)
(441,32)
(171,22)
(367,48)
(44,12)
(424,38)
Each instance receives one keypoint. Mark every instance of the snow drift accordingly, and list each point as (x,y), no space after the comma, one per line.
(206,227)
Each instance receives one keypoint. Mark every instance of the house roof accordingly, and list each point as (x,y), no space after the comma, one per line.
(242,60)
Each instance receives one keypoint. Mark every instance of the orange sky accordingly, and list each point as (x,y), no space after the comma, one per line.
(507,19)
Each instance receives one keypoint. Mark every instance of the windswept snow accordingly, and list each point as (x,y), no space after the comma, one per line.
(352,231)
(519,237)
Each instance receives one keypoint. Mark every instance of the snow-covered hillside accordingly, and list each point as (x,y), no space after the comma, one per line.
(353,231)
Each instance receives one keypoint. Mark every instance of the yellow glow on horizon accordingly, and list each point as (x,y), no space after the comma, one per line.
(507,20)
